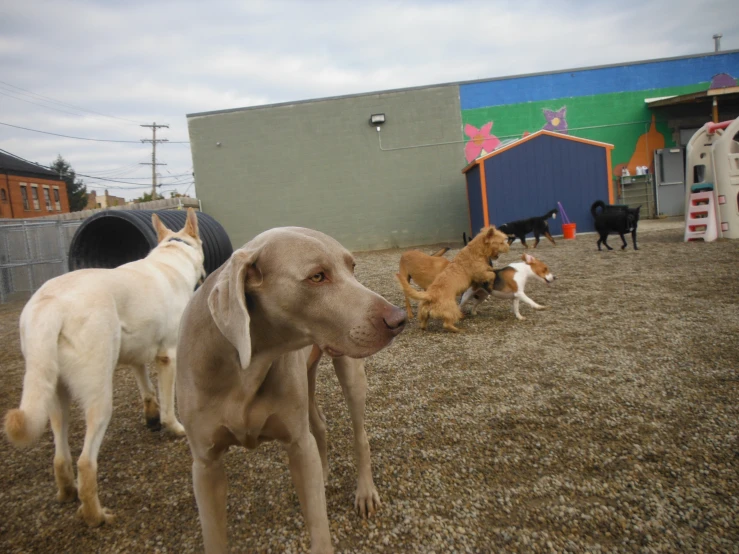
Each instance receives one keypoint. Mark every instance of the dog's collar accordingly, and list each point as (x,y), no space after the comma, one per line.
(178,239)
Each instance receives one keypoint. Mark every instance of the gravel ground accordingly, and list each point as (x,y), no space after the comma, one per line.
(605,424)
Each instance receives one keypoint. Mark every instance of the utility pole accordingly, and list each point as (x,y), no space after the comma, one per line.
(154,163)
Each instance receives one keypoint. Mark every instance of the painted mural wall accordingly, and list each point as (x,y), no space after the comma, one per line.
(605,104)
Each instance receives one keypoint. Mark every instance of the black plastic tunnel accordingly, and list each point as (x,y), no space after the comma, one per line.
(114,237)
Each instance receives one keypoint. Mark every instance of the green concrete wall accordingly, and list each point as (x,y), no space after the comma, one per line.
(320,164)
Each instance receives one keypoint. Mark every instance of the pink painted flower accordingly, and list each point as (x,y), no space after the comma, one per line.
(481,141)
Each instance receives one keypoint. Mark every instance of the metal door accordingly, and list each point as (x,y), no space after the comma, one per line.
(669,170)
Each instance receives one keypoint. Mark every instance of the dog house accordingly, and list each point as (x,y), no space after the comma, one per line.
(528,177)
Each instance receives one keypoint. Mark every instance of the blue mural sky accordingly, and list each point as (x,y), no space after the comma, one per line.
(598,81)
(100,69)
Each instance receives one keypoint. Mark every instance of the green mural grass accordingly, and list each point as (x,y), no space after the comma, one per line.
(619,119)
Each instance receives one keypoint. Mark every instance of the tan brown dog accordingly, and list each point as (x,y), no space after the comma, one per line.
(470,265)
(422,268)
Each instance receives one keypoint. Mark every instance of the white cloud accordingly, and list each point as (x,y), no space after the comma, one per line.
(157,61)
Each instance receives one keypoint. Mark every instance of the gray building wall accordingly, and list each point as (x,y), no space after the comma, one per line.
(320,164)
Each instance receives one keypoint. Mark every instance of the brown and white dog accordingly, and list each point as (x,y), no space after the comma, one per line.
(470,265)
(422,269)
(509,283)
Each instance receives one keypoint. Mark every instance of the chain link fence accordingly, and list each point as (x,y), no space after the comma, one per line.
(31,253)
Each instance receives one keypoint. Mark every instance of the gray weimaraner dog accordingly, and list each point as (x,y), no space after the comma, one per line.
(243,372)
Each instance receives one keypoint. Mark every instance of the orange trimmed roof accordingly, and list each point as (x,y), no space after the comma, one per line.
(530,137)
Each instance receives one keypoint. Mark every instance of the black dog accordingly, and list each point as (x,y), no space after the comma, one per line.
(615,219)
(538,225)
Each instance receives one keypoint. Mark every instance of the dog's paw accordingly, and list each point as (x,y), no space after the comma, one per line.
(541,308)
(96,518)
(366,501)
(108,516)
(67,494)
(175,428)
(154,423)
(520,318)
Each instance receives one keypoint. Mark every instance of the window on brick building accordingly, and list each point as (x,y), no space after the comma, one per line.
(57,203)
(24,196)
(34,197)
(47,198)
(3,195)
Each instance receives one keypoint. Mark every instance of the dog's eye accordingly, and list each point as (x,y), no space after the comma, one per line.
(318,277)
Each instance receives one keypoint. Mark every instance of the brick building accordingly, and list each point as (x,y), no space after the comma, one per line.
(103,200)
(28,190)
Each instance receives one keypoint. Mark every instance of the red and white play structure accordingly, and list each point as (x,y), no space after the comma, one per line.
(712,183)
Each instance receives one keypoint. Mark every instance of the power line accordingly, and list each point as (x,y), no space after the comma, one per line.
(84,138)
(117,180)
(176,175)
(5,92)
(49,99)
(79,174)
(114,187)
(135,187)
(67,136)
(118,171)
(106,186)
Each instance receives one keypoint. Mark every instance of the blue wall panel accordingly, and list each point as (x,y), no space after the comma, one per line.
(474,194)
(530,178)
(606,80)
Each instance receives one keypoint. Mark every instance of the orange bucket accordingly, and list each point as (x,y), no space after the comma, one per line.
(568,230)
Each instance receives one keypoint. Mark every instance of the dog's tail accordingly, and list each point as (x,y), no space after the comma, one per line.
(25,425)
(440,253)
(409,290)
(551,213)
(597,204)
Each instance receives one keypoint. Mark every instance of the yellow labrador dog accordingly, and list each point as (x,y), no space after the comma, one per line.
(78,327)
(244,345)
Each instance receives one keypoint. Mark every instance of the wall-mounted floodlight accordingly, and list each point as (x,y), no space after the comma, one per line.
(377,119)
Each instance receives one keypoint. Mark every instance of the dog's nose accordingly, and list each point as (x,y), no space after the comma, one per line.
(395,320)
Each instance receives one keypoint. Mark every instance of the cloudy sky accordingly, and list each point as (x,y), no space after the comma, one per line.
(101,69)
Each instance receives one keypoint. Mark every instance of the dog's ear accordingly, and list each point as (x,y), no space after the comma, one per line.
(528,258)
(191,224)
(159,227)
(227,301)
